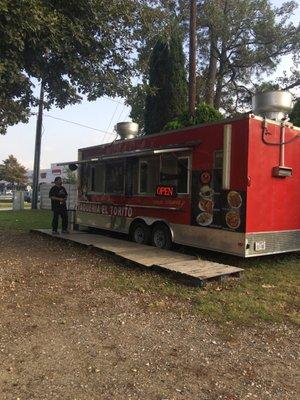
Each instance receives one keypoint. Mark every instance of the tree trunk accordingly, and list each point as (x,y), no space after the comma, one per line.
(221,73)
(222,67)
(212,69)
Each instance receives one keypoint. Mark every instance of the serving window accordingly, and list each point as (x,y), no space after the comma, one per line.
(132,177)
(175,171)
(114,177)
(97,178)
(148,174)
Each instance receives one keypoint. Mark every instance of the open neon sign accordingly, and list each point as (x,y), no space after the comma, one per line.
(166,191)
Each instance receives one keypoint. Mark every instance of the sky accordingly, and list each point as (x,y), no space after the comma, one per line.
(61,140)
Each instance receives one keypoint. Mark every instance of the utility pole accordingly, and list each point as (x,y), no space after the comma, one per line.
(192,58)
(37,150)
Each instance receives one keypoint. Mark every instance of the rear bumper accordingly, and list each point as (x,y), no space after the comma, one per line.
(264,243)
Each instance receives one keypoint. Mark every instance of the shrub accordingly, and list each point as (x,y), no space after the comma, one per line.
(203,114)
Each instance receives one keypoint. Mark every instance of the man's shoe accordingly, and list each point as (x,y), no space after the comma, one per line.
(65,231)
(55,233)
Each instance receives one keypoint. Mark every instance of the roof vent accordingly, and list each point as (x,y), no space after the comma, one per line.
(127,130)
(273,105)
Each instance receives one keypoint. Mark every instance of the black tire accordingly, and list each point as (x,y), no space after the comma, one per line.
(140,233)
(161,236)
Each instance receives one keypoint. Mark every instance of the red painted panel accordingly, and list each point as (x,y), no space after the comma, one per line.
(179,214)
(273,204)
(239,155)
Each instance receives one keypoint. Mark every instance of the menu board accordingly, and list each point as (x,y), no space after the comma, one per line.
(213,207)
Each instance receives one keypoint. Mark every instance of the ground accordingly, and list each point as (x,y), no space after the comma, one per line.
(76,324)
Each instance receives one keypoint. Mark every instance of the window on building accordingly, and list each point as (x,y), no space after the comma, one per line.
(114,177)
(148,175)
(175,172)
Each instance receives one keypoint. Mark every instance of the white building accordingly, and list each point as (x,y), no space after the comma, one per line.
(48,175)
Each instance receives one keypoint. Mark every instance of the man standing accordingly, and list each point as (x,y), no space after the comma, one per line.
(58,196)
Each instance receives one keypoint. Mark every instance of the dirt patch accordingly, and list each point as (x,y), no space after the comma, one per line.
(67,333)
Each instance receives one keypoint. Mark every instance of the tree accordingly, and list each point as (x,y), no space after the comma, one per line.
(240,40)
(295,114)
(240,43)
(167,92)
(75,47)
(13,172)
(71,176)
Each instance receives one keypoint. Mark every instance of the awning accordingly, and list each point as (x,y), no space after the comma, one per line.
(140,153)
(91,160)
(127,154)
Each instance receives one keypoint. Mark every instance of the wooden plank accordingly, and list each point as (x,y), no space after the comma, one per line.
(147,256)
(202,269)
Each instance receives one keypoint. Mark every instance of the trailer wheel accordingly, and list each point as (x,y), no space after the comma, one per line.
(161,236)
(141,233)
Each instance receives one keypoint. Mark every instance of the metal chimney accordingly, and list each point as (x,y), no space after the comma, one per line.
(127,130)
(272,105)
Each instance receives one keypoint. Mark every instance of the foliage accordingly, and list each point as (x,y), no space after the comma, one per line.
(13,172)
(203,114)
(71,176)
(76,48)
(295,114)
(167,94)
(247,38)
(136,100)
(240,44)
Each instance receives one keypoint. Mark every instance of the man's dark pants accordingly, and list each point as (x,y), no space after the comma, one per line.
(64,218)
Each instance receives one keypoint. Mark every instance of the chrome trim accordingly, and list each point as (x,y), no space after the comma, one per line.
(156,207)
(171,150)
(131,205)
(275,242)
(108,222)
(265,232)
(236,243)
(210,239)
(226,156)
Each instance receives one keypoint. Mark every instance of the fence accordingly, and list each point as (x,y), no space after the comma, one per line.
(45,202)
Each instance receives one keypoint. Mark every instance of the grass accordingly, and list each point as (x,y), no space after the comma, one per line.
(9,204)
(5,205)
(267,292)
(5,201)
(24,220)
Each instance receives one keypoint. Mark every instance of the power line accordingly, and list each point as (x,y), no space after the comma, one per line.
(111,121)
(76,123)
(119,117)
(109,98)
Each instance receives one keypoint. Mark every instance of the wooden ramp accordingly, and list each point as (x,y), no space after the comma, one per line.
(195,270)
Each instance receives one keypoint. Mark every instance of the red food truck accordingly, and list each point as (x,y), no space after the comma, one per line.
(232,186)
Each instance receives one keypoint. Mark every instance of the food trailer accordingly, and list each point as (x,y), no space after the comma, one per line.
(231,186)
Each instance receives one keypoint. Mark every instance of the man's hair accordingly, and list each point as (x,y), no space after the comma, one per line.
(57,178)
